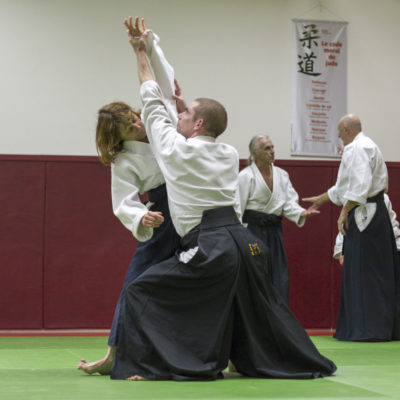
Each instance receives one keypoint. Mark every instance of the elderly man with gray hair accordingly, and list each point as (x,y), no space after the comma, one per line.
(266,194)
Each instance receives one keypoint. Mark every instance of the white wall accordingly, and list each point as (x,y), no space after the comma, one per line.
(61,60)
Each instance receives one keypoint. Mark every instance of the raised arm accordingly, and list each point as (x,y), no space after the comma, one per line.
(162,70)
(137,36)
(160,127)
(164,74)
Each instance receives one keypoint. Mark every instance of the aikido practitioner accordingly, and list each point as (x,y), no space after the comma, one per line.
(370,295)
(122,143)
(338,247)
(185,317)
(266,194)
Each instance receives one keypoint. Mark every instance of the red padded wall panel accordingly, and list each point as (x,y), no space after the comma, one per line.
(87,250)
(394,186)
(63,251)
(309,249)
(21,244)
(337,268)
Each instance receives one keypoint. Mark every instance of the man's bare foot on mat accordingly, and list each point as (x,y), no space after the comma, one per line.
(136,378)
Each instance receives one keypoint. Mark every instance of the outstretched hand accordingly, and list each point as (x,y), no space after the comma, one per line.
(317,200)
(310,211)
(136,33)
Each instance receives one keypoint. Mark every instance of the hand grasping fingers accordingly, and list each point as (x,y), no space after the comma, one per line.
(136,34)
(134,29)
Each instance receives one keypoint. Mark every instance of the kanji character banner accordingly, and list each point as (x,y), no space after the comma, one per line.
(319,96)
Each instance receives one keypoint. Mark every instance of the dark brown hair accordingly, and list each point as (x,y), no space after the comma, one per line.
(108,138)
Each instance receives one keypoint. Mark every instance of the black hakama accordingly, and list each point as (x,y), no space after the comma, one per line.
(370,298)
(184,321)
(268,228)
(162,245)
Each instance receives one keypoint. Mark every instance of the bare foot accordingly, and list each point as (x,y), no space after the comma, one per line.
(103,366)
(137,378)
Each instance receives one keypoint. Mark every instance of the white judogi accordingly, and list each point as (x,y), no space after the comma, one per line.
(369,298)
(194,184)
(178,316)
(393,219)
(362,172)
(135,171)
(178,320)
(164,74)
(256,195)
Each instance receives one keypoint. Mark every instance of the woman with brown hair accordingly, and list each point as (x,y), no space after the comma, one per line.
(122,142)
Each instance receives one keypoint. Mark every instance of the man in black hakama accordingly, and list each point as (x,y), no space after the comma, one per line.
(184,318)
(184,321)
(369,298)
(370,295)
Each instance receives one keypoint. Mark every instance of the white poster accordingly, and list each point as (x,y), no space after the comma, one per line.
(319,86)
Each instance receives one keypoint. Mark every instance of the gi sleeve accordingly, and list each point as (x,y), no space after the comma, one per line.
(126,203)
(246,183)
(160,130)
(164,73)
(338,247)
(393,220)
(333,195)
(292,209)
(359,173)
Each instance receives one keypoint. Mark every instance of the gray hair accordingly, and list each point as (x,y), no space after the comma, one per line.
(254,145)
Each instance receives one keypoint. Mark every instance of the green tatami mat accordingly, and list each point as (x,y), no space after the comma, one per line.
(43,368)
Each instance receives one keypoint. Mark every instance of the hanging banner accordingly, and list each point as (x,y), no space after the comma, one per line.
(319,97)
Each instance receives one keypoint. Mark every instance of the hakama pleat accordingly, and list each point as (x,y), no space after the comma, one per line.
(370,299)
(161,246)
(268,340)
(268,228)
(184,321)
(177,317)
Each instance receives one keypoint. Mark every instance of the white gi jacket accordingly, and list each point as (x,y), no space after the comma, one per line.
(256,195)
(200,173)
(362,172)
(135,170)
(393,219)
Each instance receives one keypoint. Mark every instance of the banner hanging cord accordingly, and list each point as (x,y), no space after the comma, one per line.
(321,8)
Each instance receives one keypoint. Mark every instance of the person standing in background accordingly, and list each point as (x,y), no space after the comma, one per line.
(370,295)
(266,194)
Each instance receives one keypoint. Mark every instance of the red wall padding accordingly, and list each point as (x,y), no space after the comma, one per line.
(309,250)
(87,250)
(63,254)
(22,191)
